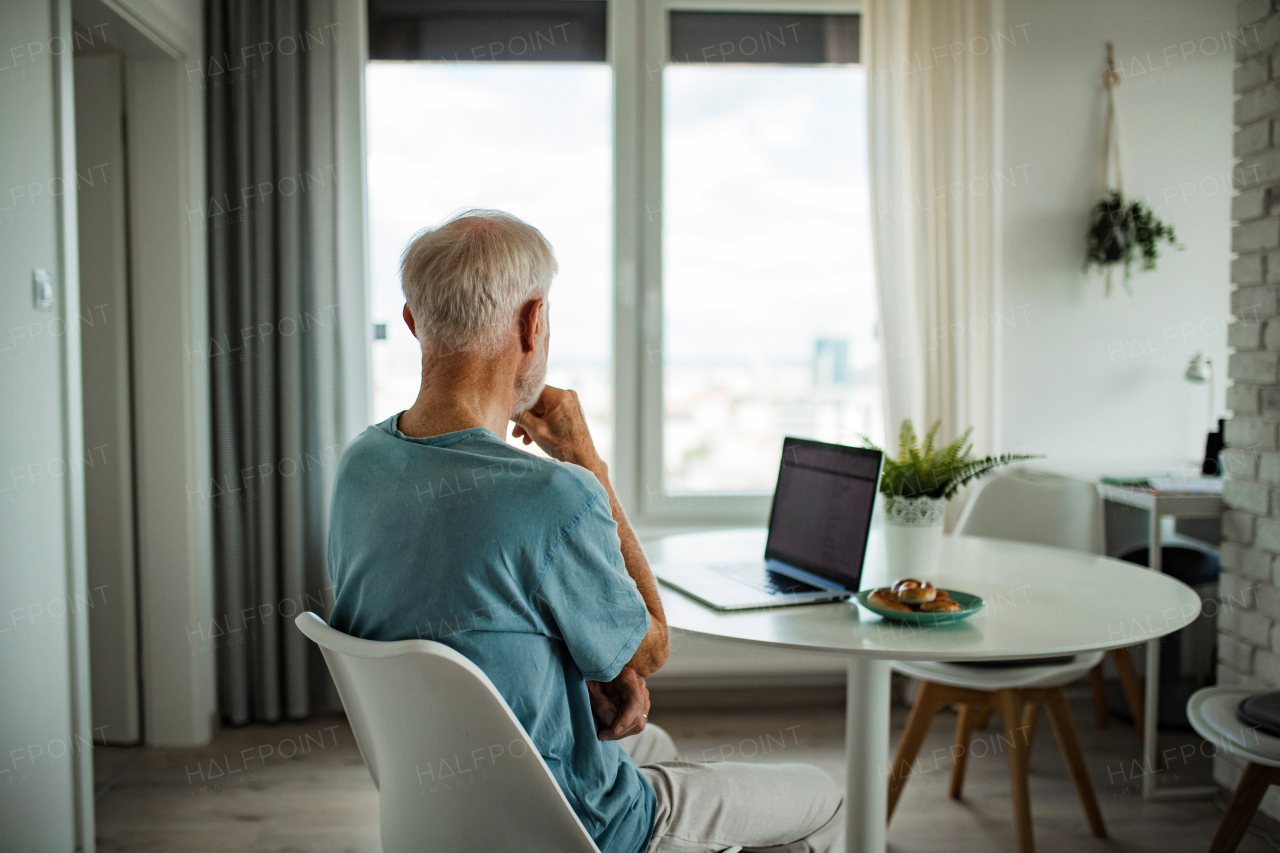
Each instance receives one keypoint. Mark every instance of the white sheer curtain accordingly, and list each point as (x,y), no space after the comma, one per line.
(933,76)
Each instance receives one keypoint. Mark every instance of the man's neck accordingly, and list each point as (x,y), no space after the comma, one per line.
(473,393)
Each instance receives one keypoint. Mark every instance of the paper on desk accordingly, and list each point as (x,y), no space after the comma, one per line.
(1198,485)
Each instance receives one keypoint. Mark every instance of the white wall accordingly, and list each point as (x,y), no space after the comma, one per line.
(1088,379)
(44,721)
(45,759)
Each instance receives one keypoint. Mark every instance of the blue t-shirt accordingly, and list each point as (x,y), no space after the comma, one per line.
(514,561)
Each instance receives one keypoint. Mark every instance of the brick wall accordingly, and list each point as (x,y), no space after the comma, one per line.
(1249,623)
(1249,618)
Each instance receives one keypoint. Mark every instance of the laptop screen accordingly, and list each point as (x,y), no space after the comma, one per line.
(822,509)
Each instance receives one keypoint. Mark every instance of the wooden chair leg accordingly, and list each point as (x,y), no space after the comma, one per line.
(960,752)
(1064,728)
(1244,802)
(1009,704)
(922,712)
(1098,688)
(1030,711)
(1133,695)
(983,715)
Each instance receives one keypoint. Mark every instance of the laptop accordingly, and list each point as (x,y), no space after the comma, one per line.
(817,541)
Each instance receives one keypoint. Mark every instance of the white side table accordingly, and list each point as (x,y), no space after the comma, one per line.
(1160,505)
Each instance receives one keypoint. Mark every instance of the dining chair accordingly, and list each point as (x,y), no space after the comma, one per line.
(1046,509)
(1016,694)
(1212,713)
(454,769)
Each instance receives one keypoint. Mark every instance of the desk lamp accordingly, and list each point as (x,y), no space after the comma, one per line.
(1200,371)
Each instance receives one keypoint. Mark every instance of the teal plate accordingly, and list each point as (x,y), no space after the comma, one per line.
(970,602)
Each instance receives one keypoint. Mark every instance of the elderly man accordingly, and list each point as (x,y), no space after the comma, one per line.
(440,529)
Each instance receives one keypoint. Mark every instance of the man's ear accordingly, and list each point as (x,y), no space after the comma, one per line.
(408,320)
(531,320)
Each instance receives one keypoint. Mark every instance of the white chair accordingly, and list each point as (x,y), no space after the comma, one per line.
(1027,507)
(1212,712)
(1045,509)
(454,768)
(1040,508)
(1016,694)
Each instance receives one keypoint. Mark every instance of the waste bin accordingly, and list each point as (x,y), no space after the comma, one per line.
(1187,657)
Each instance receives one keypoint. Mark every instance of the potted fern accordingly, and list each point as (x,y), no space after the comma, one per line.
(917,484)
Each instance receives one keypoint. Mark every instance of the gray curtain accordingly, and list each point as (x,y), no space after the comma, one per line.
(274,346)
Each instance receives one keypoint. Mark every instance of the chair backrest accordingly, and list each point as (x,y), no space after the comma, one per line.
(1043,509)
(454,768)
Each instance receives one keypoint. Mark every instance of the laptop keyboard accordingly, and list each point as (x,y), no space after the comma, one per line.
(758,577)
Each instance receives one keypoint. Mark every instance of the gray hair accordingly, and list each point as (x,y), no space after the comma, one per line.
(466,280)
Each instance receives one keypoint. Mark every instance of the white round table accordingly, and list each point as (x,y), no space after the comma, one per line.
(1040,602)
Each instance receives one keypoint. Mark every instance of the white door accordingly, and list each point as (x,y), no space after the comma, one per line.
(101,179)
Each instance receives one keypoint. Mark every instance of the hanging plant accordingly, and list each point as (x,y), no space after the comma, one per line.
(1120,233)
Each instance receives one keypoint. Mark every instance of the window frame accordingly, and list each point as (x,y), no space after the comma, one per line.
(638,47)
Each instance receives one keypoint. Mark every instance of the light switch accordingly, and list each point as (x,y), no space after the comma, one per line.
(42,290)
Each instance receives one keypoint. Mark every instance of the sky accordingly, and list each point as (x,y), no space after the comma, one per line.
(766,228)
(531,139)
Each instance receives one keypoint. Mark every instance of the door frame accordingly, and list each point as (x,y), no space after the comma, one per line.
(164,113)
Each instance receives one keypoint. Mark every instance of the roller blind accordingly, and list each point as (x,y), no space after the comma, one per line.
(775,38)
(487,30)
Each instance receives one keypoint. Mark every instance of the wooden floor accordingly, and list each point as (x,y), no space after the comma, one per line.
(306,790)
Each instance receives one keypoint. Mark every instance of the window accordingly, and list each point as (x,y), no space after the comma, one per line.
(716,289)
(767,278)
(531,137)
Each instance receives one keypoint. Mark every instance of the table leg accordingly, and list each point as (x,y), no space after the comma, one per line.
(866,752)
(1151,701)
(1151,712)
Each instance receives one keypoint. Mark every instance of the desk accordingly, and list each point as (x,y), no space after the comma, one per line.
(1161,504)
(1041,602)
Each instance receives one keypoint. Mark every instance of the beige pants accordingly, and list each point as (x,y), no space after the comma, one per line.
(703,808)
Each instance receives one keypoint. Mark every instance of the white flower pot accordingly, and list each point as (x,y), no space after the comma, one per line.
(913,536)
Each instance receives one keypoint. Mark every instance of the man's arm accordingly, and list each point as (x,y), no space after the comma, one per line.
(557,425)
(654,648)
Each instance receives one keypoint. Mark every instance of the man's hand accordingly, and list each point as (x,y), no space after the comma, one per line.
(622,705)
(557,425)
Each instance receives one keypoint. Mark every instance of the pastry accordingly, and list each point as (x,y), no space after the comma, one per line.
(910,595)
(920,595)
(941,605)
(885,598)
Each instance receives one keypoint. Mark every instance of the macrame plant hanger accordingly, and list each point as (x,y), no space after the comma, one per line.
(1112,179)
